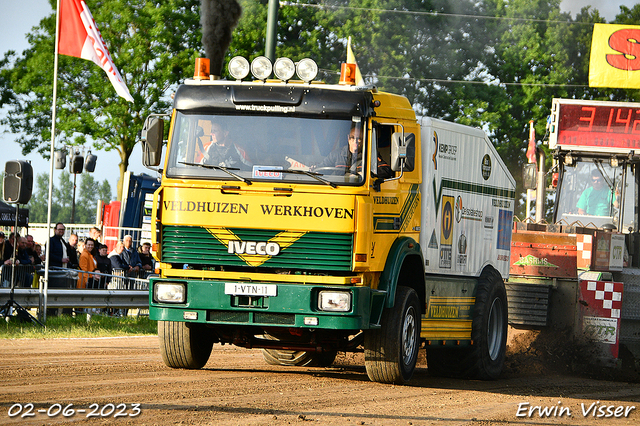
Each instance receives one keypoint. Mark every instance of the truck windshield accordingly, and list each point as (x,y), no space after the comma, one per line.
(593,193)
(268,148)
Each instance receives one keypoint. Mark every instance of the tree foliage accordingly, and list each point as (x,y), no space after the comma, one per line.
(88,192)
(153,45)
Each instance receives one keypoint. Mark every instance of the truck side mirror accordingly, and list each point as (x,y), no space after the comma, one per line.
(152,136)
(530,176)
(403,152)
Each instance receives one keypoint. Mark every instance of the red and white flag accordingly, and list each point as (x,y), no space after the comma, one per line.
(80,37)
(531,149)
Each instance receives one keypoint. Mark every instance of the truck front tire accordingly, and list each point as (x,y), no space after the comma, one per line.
(391,351)
(184,345)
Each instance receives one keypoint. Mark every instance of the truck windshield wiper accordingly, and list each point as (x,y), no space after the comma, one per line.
(227,170)
(313,175)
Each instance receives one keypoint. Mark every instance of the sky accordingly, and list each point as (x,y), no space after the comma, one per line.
(18,17)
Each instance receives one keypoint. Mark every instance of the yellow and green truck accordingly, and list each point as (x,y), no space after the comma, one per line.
(278,245)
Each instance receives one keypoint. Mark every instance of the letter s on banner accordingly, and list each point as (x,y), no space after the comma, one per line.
(611,63)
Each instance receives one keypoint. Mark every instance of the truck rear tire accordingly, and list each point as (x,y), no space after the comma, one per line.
(184,345)
(485,358)
(298,358)
(391,352)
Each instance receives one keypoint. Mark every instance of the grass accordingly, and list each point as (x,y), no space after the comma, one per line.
(82,325)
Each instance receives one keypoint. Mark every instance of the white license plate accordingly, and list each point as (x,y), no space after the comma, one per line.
(244,289)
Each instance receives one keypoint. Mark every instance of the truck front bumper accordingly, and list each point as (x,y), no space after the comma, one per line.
(294,305)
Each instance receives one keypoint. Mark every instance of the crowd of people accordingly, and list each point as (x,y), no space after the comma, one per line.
(95,265)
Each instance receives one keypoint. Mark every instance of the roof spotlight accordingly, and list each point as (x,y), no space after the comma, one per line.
(261,67)
(238,67)
(307,70)
(284,69)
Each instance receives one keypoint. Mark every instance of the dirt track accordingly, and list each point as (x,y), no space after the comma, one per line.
(237,387)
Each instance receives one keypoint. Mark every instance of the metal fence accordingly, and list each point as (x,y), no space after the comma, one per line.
(118,290)
(110,234)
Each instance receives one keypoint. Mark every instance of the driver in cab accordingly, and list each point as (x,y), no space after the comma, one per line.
(598,198)
(349,158)
(223,152)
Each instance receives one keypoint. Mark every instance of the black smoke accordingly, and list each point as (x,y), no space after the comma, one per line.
(218,19)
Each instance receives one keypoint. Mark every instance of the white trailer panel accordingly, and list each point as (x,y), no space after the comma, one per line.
(467,201)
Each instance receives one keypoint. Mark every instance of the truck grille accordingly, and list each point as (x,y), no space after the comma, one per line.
(208,247)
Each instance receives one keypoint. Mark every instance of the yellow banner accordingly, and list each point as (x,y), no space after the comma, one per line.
(615,56)
(212,209)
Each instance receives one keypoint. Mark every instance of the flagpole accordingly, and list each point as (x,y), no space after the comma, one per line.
(53,143)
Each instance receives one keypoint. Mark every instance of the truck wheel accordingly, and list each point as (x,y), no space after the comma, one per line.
(483,360)
(489,330)
(391,352)
(299,358)
(184,345)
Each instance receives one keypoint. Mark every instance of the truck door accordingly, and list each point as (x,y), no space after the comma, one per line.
(395,196)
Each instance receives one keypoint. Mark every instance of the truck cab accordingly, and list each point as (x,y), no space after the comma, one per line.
(302,218)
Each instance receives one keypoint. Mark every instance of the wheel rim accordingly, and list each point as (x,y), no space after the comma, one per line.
(494,329)
(409,340)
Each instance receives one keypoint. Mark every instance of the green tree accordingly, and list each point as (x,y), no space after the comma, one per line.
(39,200)
(63,198)
(152,43)
(88,192)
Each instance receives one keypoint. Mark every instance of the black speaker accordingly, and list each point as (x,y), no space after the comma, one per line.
(76,164)
(18,182)
(90,162)
(60,159)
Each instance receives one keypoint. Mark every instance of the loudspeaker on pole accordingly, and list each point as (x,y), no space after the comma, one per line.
(18,182)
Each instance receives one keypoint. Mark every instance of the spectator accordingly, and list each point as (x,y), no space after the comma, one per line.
(22,253)
(58,251)
(144,251)
(117,262)
(104,265)
(2,244)
(72,251)
(7,254)
(39,257)
(30,246)
(87,263)
(95,235)
(130,255)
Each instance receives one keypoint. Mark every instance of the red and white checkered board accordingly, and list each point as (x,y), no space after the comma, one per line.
(603,298)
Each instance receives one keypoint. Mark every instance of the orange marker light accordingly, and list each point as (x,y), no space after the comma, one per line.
(348,74)
(202,69)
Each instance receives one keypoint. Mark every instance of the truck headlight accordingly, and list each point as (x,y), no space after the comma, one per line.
(334,301)
(169,292)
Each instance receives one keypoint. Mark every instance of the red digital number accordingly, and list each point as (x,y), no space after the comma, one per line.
(589,119)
